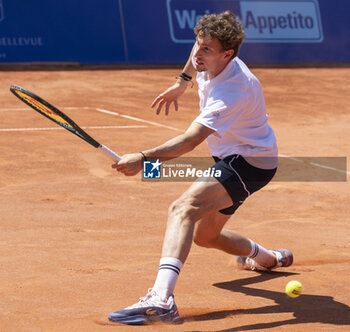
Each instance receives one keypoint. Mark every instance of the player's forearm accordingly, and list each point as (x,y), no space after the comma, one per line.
(188,69)
(173,148)
(179,145)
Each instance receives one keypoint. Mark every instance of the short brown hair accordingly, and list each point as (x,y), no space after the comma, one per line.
(226,27)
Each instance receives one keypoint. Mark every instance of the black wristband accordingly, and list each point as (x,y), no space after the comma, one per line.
(185,77)
(143,156)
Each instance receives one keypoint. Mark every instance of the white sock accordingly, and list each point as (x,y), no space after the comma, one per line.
(169,270)
(260,254)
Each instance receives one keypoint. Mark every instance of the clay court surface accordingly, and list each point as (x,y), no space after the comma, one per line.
(79,241)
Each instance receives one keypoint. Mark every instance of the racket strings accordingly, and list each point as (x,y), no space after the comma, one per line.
(45,110)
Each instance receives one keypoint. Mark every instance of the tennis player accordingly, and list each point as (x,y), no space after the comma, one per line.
(234,123)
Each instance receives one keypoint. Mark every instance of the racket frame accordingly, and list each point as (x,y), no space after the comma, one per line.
(18,91)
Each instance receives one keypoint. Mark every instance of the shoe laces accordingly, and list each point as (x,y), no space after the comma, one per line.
(152,299)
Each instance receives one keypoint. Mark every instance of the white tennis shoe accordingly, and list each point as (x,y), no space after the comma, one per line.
(284,258)
(151,308)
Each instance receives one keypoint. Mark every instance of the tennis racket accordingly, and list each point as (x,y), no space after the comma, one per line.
(54,114)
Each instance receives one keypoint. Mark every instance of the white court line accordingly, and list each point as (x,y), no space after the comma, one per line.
(76,108)
(59,128)
(291,158)
(137,119)
(330,168)
(107,112)
(315,164)
(28,108)
(13,109)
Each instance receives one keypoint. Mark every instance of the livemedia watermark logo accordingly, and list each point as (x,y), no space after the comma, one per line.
(180,170)
(152,169)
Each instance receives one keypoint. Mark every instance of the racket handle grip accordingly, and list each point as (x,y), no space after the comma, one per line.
(109,152)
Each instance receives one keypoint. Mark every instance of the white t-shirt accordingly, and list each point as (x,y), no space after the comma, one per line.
(233,105)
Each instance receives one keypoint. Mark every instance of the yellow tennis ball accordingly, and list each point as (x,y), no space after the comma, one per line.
(294,288)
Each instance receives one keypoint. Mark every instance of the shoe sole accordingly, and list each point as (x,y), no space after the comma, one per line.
(144,320)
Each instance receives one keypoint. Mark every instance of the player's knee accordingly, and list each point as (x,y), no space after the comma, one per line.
(199,241)
(182,209)
(203,241)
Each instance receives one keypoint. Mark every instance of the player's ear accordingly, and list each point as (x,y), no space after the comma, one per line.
(229,53)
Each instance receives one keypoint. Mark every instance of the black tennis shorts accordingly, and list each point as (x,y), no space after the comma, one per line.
(240,179)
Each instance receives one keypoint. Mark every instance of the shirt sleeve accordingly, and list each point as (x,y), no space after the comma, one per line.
(218,115)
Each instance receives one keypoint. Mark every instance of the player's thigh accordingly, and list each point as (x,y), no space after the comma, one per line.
(205,197)
(209,227)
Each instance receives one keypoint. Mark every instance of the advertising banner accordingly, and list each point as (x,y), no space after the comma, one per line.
(156,32)
(264,21)
(277,31)
(86,32)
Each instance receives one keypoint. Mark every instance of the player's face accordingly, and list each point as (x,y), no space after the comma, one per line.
(209,56)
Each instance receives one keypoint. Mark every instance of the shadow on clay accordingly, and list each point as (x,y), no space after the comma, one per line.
(305,309)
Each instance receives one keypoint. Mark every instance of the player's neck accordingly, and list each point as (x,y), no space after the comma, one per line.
(218,70)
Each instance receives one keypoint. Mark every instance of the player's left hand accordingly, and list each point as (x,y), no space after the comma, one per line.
(130,164)
(170,96)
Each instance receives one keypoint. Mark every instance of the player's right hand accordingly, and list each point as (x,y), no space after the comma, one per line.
(130,164)
(170,96)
